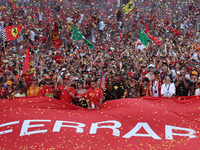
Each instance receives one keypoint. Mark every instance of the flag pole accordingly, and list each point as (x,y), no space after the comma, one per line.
(4,47)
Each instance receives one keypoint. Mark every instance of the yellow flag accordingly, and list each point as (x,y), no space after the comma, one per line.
(128,7)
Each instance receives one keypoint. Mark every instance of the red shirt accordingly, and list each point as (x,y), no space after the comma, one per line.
(94,96)
(58,59)
(46,91)
(64,96)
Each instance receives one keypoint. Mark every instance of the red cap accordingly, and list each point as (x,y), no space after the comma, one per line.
(67,78)
(132,74)
(47,77)
(57,52)
(190,68)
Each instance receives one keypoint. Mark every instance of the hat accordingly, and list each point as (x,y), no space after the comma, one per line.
(84,71)
(156,72)
(164,62)
(57,52)
(80,81)
(6,61)
(117,74)
(132,74)
(33,78)
(66,78)
(63,69)
(151,65)
(143,65)
(195,73)
(150,59)
(9,83)
(47,77)
(190,68)
(109,83)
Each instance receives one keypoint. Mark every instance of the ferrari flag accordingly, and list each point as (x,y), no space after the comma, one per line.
(152,37)
(129,7)
(12,32)
(126,124)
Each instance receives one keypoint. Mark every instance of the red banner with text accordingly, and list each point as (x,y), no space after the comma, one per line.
(146,123)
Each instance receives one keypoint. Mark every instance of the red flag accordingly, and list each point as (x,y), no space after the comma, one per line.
(176,32)
(12,2)
(150,36)
(12,32)
(27,74)
(55,37)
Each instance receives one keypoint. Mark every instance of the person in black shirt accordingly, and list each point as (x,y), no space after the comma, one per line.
(119,86)
(110,93)
(182,84)
(192,85)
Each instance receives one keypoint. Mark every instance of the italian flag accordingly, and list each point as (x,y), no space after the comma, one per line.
(143,40)
(78,36)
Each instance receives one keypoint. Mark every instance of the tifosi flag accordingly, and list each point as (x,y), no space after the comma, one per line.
(26,67)
(150,36)
(143,40)
(55,37)
(78,36)
(12,32)
(27,72)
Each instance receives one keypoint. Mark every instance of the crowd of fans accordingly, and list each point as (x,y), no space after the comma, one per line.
(114,69)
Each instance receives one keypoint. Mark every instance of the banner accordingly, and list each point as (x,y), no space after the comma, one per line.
(140,123)
(56,37)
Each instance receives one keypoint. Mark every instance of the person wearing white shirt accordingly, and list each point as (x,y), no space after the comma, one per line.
(168,88)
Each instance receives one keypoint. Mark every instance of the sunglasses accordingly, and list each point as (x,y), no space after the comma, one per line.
(47,80)
(151,67)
